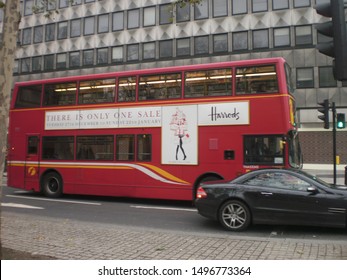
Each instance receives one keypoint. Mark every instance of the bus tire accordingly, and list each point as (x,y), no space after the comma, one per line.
(52,185)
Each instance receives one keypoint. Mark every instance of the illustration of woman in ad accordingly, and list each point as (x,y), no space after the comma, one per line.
(179,126)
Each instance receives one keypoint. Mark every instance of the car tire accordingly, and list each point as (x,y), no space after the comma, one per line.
(234,215)
(52,185)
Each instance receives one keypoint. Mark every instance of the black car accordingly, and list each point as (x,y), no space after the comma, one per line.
(273,196)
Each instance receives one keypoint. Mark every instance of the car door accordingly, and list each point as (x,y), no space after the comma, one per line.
(282,198)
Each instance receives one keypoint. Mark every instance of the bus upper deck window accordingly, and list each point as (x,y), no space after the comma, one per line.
(29,97)
(256,79)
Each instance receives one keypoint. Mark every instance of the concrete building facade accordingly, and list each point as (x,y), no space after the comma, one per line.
(89,36)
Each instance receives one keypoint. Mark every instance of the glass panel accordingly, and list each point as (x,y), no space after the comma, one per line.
(75,28)
(149,16)
(59,94)
(257,79)
(29,97)
(165,14)
(125,147)
(62,30)
(182,13)
(264,150)
(58,147)
(126,89)
(133,18)
(144,147)
(260,39)
(117,21)
(160,87)
(201,10)
(282,37)
(33,145)
(98,147)
(220,8)
(240,41)
(208,83)
(304,78)
(239,7)
(96,91)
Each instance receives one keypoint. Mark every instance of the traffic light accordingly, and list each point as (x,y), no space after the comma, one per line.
(337,31)
(325,111)
(340,121)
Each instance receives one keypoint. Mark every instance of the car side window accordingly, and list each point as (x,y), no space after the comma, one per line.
(279,181)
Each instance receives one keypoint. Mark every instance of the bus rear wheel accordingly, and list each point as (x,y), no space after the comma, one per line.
(52,185)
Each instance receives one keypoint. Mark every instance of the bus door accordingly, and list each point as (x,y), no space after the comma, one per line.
(32,162)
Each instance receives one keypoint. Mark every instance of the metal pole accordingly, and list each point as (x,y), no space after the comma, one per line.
(334,139)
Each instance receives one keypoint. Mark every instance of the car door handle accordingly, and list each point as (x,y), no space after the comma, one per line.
(266,193)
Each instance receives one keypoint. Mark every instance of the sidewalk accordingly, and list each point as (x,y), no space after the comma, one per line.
(71,240)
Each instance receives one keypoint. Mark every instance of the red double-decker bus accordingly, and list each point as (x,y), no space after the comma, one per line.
(154,133)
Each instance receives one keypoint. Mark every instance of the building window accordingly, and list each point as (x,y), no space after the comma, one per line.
(76,2)
(183,47)
(259,6)
(302,3)
(74,59)
(201,45)
(149,16)
(239,7)
(103,23)
(282,37)
(26,36)
(132,52)
(165,14)
(149,50)
(260,39)
(240,41)
(61,61)
(304,78)
(48,62)
(50,32)
(280,4)
(117,54)
(62,30)
(201,10)
(88,26)
(326,77)
(303,35)
(63,3)
(165,49)
(88,57)
(37,63)
(182,13)
(25,65)
(102,56)
(75,28)
(133,18)
(117,21)
(28,7)
(38,34)
(220,8)
(220,43)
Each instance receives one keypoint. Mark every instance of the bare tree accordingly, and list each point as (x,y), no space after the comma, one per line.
(8,46)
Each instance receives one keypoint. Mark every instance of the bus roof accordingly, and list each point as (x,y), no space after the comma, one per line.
(148,71)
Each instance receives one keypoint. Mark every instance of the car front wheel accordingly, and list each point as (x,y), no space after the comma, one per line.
(234,215)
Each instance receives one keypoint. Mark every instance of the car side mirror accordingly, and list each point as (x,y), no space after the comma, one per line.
(312,190)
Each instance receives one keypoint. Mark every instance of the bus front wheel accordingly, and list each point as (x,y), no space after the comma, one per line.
(52,185)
